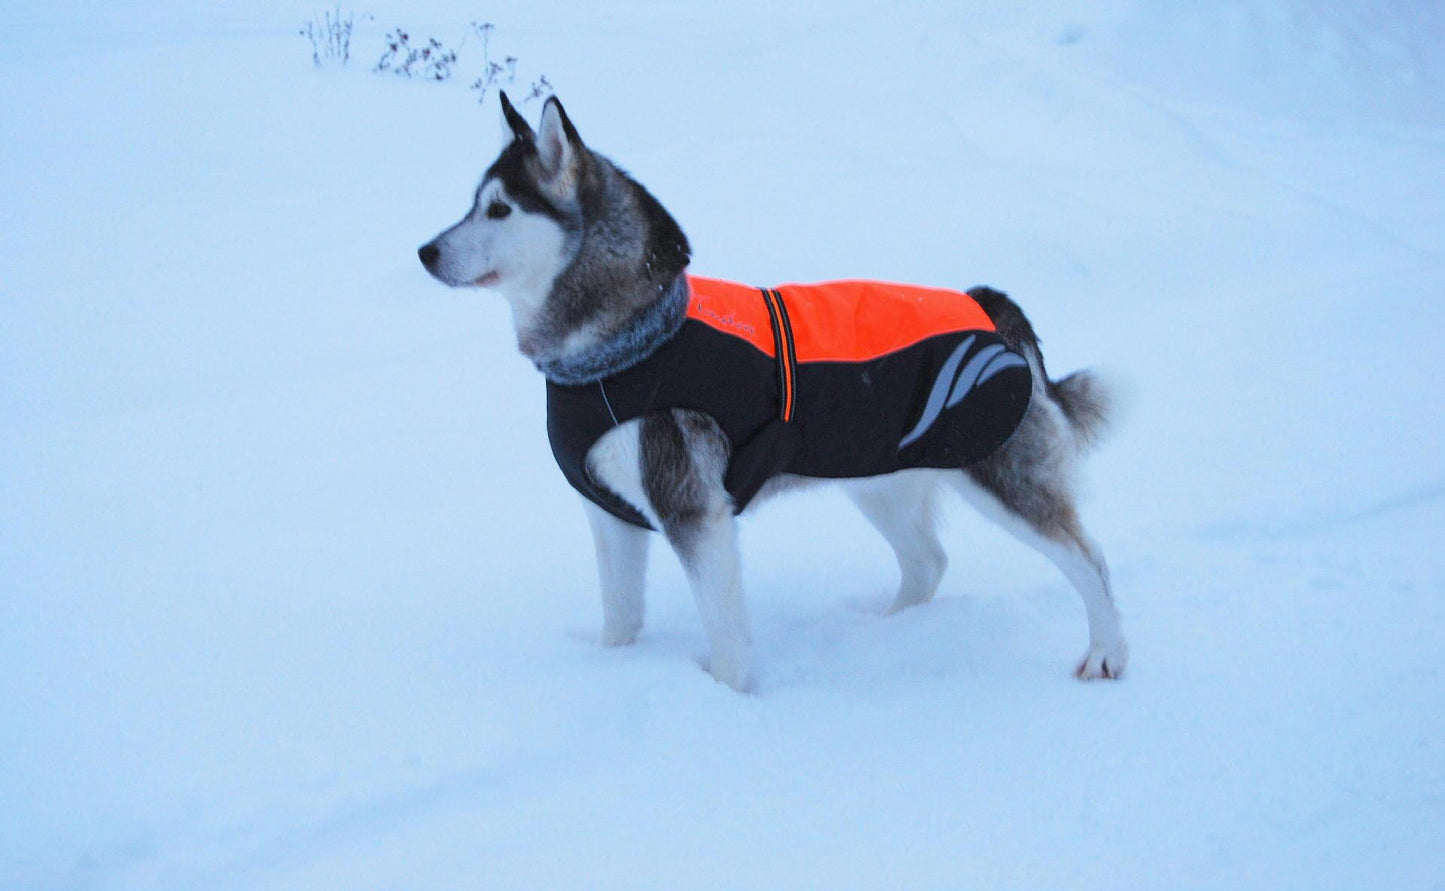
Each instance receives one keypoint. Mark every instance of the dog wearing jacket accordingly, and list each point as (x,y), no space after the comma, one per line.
(675,402)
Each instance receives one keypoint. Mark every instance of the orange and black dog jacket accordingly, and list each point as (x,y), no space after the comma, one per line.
(835,380)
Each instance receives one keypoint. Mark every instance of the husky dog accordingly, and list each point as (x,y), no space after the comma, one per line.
(594,270)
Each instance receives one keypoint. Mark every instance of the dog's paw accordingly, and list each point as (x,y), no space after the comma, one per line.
(1107,662)
(733,670)
(620,636)
(900,604)
(741,683)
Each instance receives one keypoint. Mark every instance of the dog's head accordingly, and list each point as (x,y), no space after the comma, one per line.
(574,244)
(519,234)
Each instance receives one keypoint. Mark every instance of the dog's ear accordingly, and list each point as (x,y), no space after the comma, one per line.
(559,148)
(513,122)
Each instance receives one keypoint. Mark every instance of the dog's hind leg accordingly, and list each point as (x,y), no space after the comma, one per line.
(1025,486)
(622,571)
(901,507)
(684,458)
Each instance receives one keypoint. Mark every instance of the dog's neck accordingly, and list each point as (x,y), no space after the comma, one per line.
(648,329)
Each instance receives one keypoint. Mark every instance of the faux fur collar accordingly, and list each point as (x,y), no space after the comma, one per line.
(649,329)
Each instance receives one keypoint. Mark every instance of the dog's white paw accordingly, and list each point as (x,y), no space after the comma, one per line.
(620,635)
(900,604)
(734,670)
(1107,662)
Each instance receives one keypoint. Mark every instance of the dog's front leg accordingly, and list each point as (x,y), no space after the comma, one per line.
(622,572)
(671,466)
(708,548)
(684,458)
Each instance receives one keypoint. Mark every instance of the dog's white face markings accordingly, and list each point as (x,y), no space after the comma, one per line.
(499,245)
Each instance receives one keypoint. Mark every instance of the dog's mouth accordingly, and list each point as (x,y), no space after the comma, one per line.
(486,280)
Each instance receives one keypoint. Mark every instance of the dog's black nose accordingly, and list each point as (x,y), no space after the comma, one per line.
(428,254)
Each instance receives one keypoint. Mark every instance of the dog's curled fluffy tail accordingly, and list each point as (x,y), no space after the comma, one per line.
(1086,403)
(1081,396)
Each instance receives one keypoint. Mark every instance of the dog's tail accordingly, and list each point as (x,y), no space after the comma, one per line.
(1083,398)
(1087,403)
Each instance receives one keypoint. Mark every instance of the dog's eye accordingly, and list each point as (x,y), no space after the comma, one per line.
(497,210)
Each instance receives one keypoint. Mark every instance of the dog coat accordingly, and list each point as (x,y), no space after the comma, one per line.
(835,380)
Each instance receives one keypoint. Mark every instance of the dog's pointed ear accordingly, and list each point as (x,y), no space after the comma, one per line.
(512,121)
(559,148)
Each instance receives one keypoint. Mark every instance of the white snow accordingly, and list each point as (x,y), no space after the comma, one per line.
(293,596)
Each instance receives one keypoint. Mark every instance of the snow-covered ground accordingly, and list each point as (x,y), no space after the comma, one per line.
(292,595)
